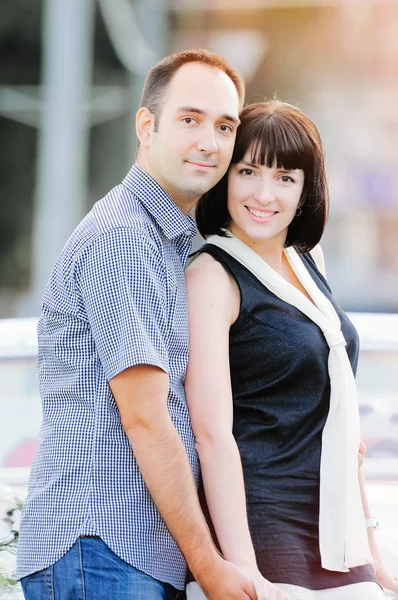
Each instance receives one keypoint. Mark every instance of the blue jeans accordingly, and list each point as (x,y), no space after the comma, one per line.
(91,571)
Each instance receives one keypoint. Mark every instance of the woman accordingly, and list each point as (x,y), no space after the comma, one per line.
(270,381)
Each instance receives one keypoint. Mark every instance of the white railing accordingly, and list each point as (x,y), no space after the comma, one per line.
(379,343)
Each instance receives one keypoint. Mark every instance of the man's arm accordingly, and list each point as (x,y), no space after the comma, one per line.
(121,279)
(141,396)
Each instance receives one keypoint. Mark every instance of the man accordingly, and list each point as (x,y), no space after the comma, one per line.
(112,504)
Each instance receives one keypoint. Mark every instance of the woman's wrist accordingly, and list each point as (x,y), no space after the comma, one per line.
(371,522)
(244,561)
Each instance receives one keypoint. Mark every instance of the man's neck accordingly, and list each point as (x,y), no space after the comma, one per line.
(184,204)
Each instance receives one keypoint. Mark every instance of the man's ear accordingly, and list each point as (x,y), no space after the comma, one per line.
(144,123)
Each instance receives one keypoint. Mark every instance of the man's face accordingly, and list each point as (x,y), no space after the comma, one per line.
(191,148)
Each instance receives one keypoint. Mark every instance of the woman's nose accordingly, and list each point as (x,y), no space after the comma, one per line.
(264,193)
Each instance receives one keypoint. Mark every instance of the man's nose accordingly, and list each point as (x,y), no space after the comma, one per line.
(207,142)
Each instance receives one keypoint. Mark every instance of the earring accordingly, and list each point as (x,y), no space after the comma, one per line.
(298,211)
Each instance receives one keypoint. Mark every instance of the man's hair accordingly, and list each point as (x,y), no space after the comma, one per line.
(276,133)
(162,73)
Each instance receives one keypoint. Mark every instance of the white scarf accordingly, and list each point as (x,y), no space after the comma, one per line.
(343,538)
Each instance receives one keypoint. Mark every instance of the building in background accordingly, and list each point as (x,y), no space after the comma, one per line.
(337,59)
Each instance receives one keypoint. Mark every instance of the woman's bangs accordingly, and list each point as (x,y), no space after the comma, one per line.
(275,145)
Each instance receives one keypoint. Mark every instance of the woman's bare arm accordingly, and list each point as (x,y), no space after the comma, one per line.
(213,302)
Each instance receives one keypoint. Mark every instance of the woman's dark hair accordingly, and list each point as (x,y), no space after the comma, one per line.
(276,132)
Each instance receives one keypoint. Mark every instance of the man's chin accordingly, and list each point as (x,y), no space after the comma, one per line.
(202,186)
(190,189)
(196,193)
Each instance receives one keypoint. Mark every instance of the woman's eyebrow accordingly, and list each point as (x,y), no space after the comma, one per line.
(281,169)
(248,164)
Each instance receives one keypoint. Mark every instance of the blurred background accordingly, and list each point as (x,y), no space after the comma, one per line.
(71,75)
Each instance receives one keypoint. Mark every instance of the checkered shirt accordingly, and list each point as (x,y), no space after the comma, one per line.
(116,298)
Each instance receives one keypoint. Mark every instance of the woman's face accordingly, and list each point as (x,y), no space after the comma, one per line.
(262,201)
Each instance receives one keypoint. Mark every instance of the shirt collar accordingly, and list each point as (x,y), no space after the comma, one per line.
(159,204)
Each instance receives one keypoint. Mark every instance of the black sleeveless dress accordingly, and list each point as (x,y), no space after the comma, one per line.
(281,391)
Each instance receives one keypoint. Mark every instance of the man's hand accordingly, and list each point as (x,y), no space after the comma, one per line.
(235,583)
(225,580)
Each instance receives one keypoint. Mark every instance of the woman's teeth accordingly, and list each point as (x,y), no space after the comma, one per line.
(260,213)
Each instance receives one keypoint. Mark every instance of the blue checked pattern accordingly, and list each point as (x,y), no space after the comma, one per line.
(116,298)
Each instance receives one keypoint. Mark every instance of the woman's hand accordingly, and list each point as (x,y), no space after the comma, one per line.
(265,590)
(385,578)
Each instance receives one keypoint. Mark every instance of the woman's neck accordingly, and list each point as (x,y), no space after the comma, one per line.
(270,250)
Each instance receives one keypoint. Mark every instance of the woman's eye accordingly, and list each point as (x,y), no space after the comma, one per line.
(287,179)
(246,172)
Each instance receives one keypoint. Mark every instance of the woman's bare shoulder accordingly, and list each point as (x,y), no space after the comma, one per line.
(207,278)
(206,266)
(317,255)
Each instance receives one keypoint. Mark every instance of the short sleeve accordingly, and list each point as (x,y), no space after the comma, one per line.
(122,282)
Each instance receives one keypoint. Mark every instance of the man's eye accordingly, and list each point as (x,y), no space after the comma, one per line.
(226,128)
(189,120)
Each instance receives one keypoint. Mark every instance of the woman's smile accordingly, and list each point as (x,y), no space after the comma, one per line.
(260,216)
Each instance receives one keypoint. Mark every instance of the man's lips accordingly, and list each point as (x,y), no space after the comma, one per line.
(201,165)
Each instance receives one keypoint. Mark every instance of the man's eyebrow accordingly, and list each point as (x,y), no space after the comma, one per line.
(199,111)
(193,109)
(231,118)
